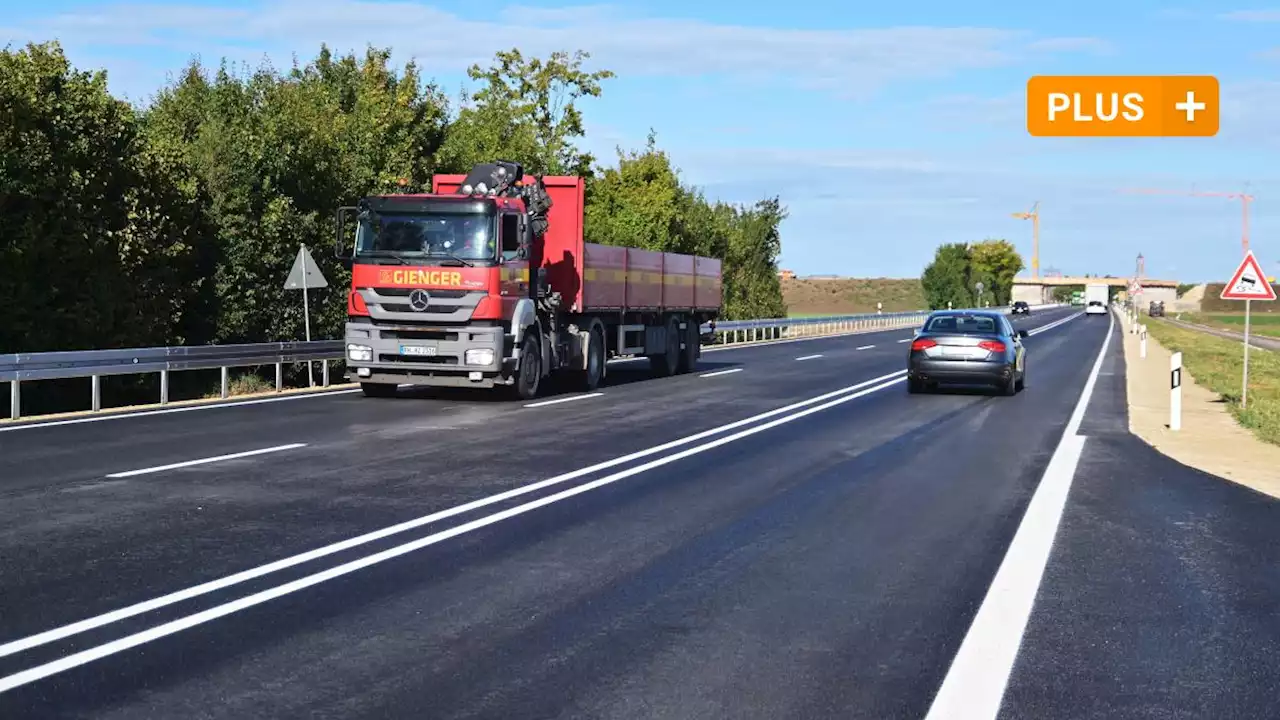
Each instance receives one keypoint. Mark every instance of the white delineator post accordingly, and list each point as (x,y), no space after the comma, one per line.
(1144,342)
(1175,391)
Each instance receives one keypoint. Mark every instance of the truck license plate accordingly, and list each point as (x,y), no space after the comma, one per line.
(417,350)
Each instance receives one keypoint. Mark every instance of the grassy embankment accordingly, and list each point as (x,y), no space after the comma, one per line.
(1217,363)
(847,296)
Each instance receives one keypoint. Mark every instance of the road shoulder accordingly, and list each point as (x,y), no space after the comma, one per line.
(1210,439)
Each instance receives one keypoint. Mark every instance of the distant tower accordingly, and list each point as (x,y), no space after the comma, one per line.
(1142,267)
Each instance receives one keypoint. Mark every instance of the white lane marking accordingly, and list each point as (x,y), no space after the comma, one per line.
(810,357)
(904,340)
(206,461)
(557,401)
(166,411)
(721,372)
(864,347)
(173,626)
(1054,324)
(48,636)
(974,686)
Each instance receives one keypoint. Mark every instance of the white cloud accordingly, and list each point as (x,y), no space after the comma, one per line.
(845,61)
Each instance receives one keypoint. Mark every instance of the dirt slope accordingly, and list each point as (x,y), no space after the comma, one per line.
(851,295)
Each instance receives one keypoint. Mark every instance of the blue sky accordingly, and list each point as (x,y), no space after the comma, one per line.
(886,130)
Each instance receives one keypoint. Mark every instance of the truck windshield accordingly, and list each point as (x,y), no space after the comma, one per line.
(453,238)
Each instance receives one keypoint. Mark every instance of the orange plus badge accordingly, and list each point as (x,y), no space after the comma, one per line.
(1122,106)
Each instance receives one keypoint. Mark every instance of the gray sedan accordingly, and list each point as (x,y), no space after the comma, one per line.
(967,347)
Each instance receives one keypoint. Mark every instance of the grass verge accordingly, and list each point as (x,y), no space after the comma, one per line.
(1218,363)
(1261,323)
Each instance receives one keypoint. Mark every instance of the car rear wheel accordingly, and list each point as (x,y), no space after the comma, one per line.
(914,386)
(1022,380)
(1010,386)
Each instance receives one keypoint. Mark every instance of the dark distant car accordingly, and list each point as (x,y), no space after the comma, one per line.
(1156,309)
(967,347)
(1021,308)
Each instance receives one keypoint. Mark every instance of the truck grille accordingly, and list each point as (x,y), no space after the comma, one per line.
(418,359)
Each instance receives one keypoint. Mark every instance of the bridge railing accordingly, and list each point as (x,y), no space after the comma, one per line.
(18,368)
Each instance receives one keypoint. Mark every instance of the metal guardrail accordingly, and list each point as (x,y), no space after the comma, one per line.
(95,364)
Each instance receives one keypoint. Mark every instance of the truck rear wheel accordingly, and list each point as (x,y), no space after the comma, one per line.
(692,346)
(529,375)
(668,362)
(594,371)
(378,390)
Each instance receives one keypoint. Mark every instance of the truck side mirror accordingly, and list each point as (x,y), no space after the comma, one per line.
(339,244)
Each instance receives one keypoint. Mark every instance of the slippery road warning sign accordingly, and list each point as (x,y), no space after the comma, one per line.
(1248,282)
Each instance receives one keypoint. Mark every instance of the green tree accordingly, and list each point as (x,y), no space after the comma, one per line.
(995,263)
(94,238)
(948,280)
(525,109)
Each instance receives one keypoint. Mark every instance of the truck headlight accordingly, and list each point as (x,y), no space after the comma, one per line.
(359,353)
(482,356)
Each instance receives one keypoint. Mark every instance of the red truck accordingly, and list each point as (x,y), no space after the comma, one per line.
(441,293)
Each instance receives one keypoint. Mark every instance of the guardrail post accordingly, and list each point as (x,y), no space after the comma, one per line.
(324,372)
(279,376)
(15,399)
(224,382)
(96,390)
(164,387)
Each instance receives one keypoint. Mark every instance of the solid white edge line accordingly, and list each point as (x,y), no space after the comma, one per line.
(571,398)
(205,461)
(173,626)
(809,357)
(974,686)
(864,347)
(90,623)
(720,372)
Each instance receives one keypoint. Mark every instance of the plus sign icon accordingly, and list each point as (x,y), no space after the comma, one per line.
(1122,105)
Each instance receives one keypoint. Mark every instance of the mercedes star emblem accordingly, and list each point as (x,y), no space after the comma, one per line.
(419,300)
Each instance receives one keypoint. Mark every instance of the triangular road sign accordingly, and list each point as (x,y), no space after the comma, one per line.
(314,278)
(1248,282)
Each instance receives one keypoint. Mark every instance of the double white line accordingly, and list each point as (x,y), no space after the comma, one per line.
(780,416)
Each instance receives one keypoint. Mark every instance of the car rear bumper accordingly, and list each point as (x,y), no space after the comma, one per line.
(976,371)
(1095,311)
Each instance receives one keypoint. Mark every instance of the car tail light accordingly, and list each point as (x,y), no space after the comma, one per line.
(992,345)
(923,344)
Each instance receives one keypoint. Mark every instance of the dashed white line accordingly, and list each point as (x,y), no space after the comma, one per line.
(721,372)
(905,340)
(206,461)
(810,357)
(974,686)
(557,401)
(864,347)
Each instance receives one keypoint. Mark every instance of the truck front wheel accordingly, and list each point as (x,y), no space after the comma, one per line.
(530,373)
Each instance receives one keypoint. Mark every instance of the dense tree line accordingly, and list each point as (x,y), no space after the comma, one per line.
(952,278)
(177,222)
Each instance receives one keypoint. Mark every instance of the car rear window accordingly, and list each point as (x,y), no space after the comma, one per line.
(975,324)
(1095,302)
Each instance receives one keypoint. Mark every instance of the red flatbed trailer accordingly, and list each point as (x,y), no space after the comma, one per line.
(589,302)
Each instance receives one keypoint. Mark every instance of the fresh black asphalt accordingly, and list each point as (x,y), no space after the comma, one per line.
(825,567)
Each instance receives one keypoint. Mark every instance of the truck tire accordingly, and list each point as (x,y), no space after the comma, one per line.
(378,390)
(692,346)
(594,371)
(668,363)
(529,374)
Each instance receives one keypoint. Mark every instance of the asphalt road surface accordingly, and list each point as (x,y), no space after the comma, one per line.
(784,533)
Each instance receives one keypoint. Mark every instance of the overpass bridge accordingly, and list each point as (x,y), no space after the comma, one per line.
(1040,290)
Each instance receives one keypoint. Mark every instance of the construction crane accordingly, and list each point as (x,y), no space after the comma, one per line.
(1034,216)
(1244,199)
